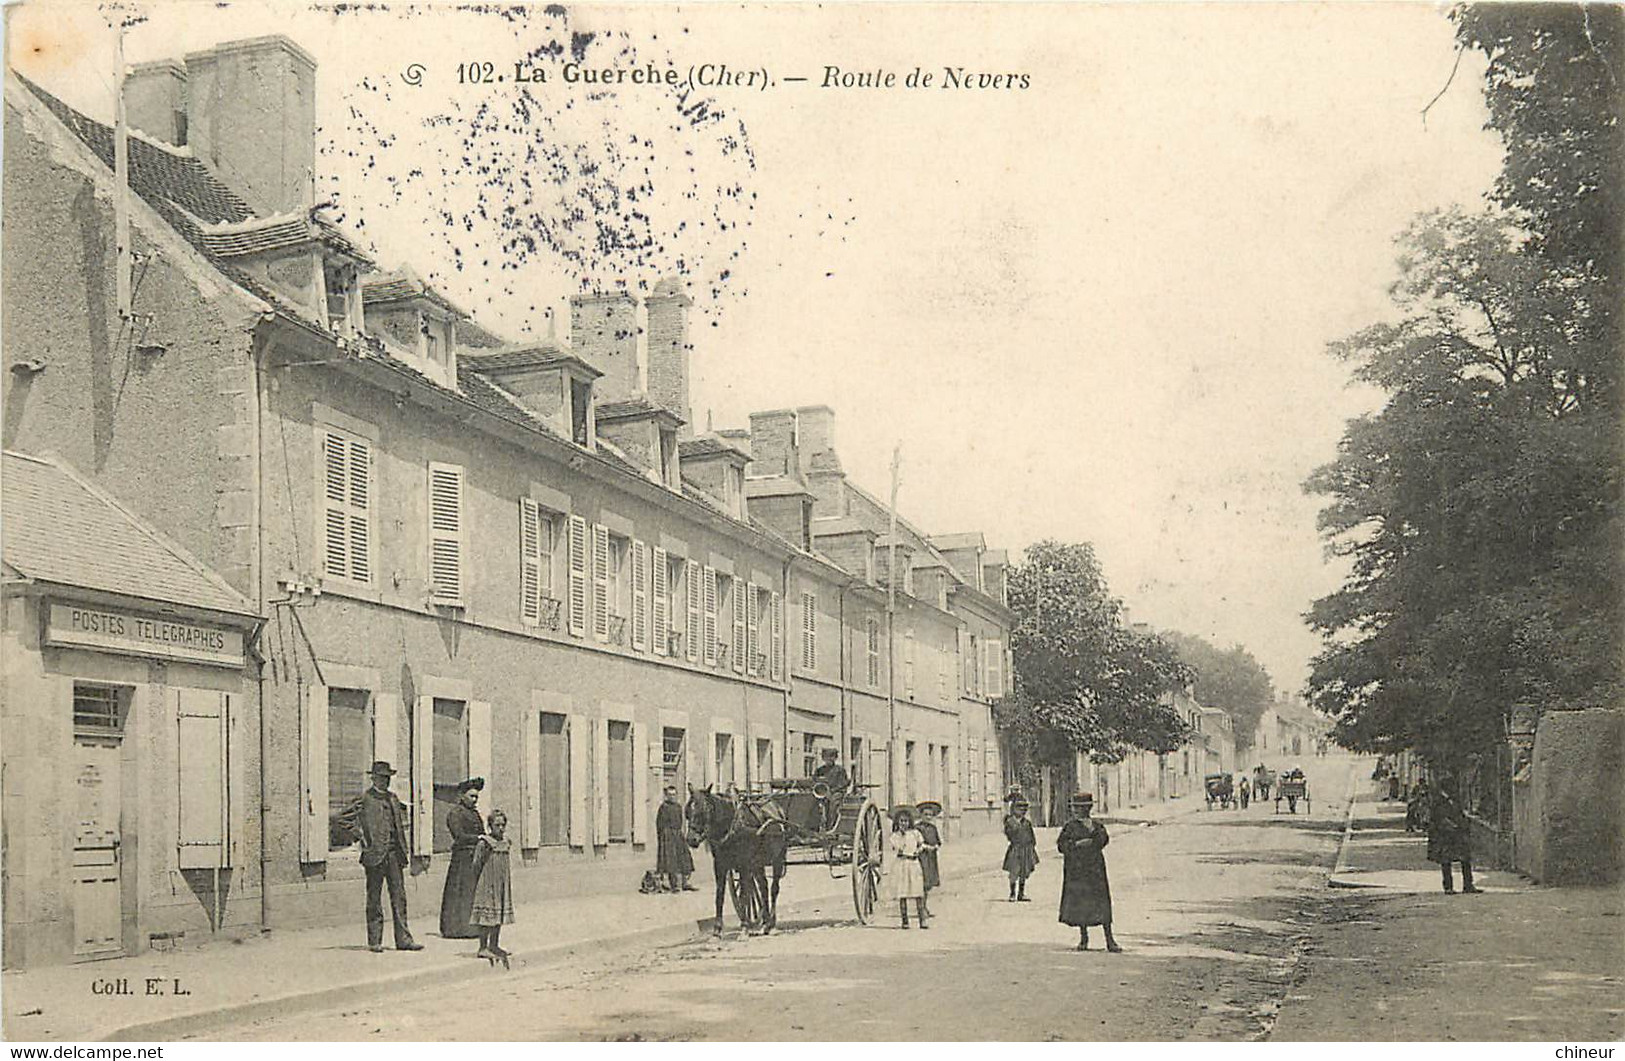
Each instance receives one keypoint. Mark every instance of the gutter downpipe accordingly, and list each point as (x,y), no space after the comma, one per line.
(844,727)
(784,647)
(264,347)
(892,762)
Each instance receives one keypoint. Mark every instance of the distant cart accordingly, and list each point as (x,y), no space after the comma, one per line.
(1221,789)
(1293,788)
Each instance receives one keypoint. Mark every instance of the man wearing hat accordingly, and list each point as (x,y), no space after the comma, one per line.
(466,826)
(1021,857)
(833,776)
(1086,895)
(383,856)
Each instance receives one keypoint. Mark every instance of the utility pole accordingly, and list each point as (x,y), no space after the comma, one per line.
(121,173)
(893,764)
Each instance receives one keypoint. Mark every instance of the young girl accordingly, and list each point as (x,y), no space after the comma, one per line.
(907,880)
(1021,857)
(493,895)
(928,810)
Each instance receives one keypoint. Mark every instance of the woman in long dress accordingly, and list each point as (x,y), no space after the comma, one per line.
(466,827)
(492,905)
(672,859)
(1086,894)
(906,879)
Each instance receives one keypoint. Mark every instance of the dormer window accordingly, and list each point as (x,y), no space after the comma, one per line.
(580,401)
(431,345)
(340,283)
(668,456)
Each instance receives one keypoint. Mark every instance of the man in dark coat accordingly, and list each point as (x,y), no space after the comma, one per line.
(1021,856)
(1086,894)
(382,824)
(466,825)
(928,810)
(1449,840)
(833,776)
(672,859)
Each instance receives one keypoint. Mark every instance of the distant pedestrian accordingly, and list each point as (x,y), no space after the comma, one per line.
(466,827)
(1086,894)
(1021,856)
(932,876)
(493,894)
(1449,840)
(382,823)
(1416,807)
(672,859)
(1246,791)
(907,881)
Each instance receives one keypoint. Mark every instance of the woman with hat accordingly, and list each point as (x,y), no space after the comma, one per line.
(672,859)
(1086,895)
(1021,857)
(466,825)
(907,880)
(929,874)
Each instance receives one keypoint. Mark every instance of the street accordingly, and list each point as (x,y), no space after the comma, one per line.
(1215,911)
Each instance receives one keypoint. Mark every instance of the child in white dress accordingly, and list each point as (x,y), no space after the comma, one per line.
(908,882)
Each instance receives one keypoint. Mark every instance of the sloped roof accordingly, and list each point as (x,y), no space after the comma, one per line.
(774,486)
(525,355)
(636,407)
(710,446)
(403,284)
(62,529)
(964,540)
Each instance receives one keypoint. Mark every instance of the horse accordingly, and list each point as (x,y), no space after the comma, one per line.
(745,840)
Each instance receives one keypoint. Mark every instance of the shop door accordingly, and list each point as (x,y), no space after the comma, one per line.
(98,913)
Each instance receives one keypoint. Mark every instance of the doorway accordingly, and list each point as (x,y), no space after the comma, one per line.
(98,893)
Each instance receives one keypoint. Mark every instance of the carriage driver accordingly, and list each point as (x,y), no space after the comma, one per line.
(833,777)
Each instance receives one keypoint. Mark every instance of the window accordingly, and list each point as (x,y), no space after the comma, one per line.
(99,710)
(580,400)
(620,782)
(809,754)
(450,722)
(764,760)
(724,761)
(431,344)
(673,757)
(676,603)
(760,623)
(775,611)
(942,674)
(809,631)
(995,669)
(349,755)
(973,770)
(346,488)
(693,592)
(340,282)
(909,773)
(555,780)
(446,533)
(537,527)
(716,589)
(620,549)
(908,664)
(640,596)
(857,760)
(668,457)
(942,773)
(872,630)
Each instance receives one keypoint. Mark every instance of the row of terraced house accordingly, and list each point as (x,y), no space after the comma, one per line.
(289,514)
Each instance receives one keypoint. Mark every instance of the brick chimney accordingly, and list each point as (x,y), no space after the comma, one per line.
(155,100)
(604,333)
(669,348)
(773,448)
(251,115)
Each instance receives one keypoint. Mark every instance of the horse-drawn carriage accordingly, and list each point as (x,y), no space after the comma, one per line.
(1263,782)
(1292,788)
(1221,789)
(795,822)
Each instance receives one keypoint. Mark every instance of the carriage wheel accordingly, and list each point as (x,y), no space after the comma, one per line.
(868,860)
(749,902)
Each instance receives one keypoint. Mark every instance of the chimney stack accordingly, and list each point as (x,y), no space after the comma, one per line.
(604,333)
(155,100)
(251,115)
(773,444)
(669,348)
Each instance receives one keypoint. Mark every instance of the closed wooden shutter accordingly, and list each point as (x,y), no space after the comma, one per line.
(995,669)
(741,759)
(710,756)
(530,562)
(423,776)
(776,614)
(709,629)
(446,532)
(600,780)
(908,663)
(386,728)
(530,782)
(580,740)
(313,809)
(201,814)
(809,631)
(600,581)
(578,576)
(741,607)
(641,769)
(1009,671)
(691,631)
(479,740)
(660,631)
(965,659)
(640,596)
(346,507)
(237,738)
(751,630)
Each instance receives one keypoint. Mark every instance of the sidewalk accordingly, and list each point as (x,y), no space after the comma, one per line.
(1391,957)
(288,971)
(1153,813)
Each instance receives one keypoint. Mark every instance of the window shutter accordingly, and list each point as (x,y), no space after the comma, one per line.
(776,613)
(709,636)
(578,576)
(809,631)
(530,562)
(908,663)
(640,596)
(1009,671)
(661,632)
(360,511)
(995,669)
(423,776)
(600,581)
(446,532)
(748,629)
(346,507)
(691,632)
(313,818)
(579,786)
(530,782)
(964,659)
(479,740)
(641,769)
(741,757)
(600,780)
(200,775)
(710,757)
(942,674)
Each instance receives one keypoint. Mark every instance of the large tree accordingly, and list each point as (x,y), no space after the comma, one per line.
(1229,679)
(1085,681)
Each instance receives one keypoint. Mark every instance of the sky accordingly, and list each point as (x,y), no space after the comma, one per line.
(1092,309)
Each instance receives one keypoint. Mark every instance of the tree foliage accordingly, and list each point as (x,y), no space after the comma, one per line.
(1229,679)
(1084,680)
(1480,507)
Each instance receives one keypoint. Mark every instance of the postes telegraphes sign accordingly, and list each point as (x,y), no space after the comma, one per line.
(144,635)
